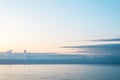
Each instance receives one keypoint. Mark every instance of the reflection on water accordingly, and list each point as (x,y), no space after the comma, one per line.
(59,72)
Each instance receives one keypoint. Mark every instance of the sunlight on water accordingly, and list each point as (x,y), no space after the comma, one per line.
(59,72)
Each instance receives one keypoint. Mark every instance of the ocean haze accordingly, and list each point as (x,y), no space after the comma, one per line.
(53,58)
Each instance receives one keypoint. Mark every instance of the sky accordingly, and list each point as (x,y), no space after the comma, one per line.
(47,25)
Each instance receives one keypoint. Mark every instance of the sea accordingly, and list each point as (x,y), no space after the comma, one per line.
(60,72)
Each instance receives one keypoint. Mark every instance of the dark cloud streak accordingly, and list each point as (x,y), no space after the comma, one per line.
(107,40)
(95,46)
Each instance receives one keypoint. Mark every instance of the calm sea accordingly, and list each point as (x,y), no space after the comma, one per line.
(59,72)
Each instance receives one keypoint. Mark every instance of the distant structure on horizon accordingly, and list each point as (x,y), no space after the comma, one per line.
(9,51)
(25,51)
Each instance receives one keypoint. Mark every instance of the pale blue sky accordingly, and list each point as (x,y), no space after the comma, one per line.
(45,25)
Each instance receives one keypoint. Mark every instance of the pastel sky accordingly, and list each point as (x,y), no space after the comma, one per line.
(46,25)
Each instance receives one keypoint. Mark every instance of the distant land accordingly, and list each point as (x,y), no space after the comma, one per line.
(54,58)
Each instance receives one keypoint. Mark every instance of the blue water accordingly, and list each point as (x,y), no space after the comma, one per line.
(60,72)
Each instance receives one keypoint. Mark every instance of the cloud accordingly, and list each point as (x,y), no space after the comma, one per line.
(107,48)
(98,49)
(106,40)
(95,46)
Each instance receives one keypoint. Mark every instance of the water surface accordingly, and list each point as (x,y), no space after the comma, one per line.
(60,72)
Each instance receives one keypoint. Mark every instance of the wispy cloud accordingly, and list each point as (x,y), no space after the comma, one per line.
(98,49)
(107,40)
(95,46)
(107,49)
